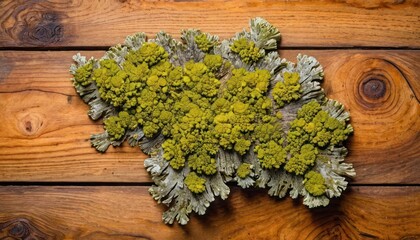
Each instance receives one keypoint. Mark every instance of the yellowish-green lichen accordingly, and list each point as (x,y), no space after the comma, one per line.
(202,163)
(203,42)
(246,50)
(267,131)
(242,145)
(315,183)
(83,74)
(195,183)
(312,129)
(318,127)
(213,62)
(309,111)
(244,170)
(114,128)
(271,154)
(300,162)
(210,111)
(288,90)
(149,53)
(173,154)
(242,106)
(117,125)
(186,105)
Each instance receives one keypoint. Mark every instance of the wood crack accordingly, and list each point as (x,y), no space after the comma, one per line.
(39,90)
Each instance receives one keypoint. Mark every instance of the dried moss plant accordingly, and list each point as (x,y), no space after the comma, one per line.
(208,112)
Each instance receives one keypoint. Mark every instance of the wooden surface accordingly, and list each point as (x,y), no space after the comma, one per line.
(130,213)
(53,185)
(386,23)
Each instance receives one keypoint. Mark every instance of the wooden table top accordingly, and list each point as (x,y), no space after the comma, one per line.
(54,185)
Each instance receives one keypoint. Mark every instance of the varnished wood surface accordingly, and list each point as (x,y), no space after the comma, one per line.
(130,213)
(345,23)
(45,130)
(369,50)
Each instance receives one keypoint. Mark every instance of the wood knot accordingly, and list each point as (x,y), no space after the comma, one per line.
(69,99)
(20,228)
(41,28)
(373,88)
(375,84)
(34,23)
(30,124)
(377,87)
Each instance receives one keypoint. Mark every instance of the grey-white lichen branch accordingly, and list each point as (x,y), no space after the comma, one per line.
(208,112)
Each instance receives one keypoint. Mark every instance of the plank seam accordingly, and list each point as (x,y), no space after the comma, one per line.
(121,184)
(104,48)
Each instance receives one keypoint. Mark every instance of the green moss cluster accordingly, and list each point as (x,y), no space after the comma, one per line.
(249,86)
(246,50)
(288,90)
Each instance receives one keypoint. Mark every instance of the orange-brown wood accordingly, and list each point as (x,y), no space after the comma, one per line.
(130,213)
(45,129)
(386,23)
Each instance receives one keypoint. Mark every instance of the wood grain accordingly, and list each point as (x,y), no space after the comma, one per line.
(45,129)
(344,23)
(130,213)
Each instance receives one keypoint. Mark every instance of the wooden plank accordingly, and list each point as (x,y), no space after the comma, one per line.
(130,213)
(379,23)
(45,130)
